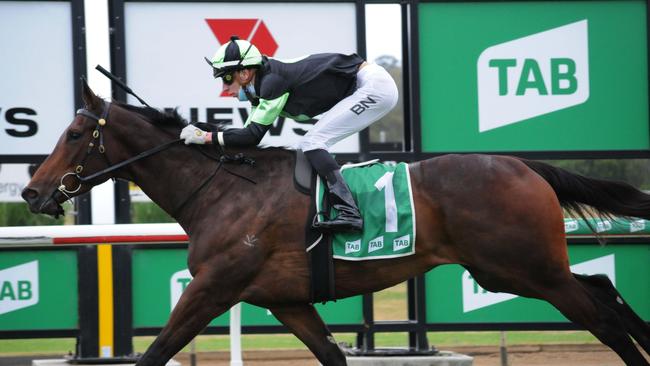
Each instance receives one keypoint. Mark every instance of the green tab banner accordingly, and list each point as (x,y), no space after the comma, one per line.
(607,227)
(38,290)
(534,76)
(453,296)
(161,275)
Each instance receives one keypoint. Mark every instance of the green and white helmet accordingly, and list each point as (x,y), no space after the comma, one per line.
(235,55)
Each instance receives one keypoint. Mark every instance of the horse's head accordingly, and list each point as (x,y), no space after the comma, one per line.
(79,152)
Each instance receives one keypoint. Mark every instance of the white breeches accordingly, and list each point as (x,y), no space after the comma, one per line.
(375,96)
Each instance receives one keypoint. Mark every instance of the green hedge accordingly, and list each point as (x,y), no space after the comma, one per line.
(148,212)
(18,214)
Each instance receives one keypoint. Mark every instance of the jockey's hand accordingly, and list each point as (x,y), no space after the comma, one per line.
(194,135)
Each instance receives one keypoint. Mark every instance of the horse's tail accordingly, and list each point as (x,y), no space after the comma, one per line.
(608,198)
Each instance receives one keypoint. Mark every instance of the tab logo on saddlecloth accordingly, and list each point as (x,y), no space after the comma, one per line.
(534,75)
(177,284)
(376,244)
(353,246)
(18,287)
(402,242)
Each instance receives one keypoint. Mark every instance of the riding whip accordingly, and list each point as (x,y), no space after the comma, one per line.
(119,83)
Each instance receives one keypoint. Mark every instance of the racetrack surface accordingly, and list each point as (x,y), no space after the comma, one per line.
(556,355)
(532,355)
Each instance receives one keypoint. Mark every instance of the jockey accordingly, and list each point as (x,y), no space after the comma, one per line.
(351,92)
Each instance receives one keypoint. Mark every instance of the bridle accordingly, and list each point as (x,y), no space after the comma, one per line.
(98,142)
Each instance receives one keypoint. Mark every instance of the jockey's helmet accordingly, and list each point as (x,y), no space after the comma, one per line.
(234,55)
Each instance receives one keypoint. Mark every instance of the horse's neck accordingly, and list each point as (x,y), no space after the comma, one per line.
(173,182)
(170,178)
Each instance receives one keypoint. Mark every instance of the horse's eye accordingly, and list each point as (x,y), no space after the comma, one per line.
(74,135)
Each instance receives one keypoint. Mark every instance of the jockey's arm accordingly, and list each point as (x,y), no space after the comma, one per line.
(250,135)
(259,121)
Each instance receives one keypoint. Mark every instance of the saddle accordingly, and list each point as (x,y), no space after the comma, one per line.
(317,245)
(303,173)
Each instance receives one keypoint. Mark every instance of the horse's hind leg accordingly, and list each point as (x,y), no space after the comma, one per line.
(306,324)
(195,309)
(579,304)
(603,289)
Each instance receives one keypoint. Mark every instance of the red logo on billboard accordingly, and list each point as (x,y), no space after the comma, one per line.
(252,30)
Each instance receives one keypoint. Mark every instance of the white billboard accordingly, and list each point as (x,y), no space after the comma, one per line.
(36,69)
(13,179)
(166,43)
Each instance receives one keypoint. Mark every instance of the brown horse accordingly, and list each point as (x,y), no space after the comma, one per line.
(456,198)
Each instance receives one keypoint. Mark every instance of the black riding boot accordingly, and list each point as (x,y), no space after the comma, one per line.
(348,218)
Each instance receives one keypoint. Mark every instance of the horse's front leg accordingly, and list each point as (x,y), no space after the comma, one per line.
(197,306)
(307,325)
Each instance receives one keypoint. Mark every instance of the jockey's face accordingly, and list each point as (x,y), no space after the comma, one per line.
(239,79)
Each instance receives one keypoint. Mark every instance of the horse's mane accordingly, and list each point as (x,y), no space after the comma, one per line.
(170,118)
(161,118)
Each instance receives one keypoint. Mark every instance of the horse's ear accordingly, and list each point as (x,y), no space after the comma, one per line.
(91,101)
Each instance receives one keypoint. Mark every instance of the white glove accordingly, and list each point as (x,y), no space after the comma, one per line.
(193,135)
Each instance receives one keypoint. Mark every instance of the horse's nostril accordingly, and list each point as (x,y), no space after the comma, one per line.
(29,194)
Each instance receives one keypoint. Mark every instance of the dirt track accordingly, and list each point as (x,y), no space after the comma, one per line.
(564,355)
(555,355)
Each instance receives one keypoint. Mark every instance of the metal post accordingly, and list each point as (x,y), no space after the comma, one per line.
(122,278)
(87,339)
(122,301)
(414,76)
(122,203)
(368,338)
(503,350)
(78,48)
(360,8)
(417,313)
(421,314)
(410,303)
(406,80)
(193,352)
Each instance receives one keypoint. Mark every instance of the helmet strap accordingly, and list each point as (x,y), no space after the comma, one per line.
(244,55)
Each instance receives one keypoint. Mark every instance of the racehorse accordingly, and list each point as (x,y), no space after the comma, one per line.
(456,198)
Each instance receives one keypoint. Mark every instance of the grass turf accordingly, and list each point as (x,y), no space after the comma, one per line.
(207,343)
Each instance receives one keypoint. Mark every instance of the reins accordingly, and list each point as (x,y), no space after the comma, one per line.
(126,162)
(98,134)
(223,158)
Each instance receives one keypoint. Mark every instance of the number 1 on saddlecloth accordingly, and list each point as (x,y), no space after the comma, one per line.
(386,183)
